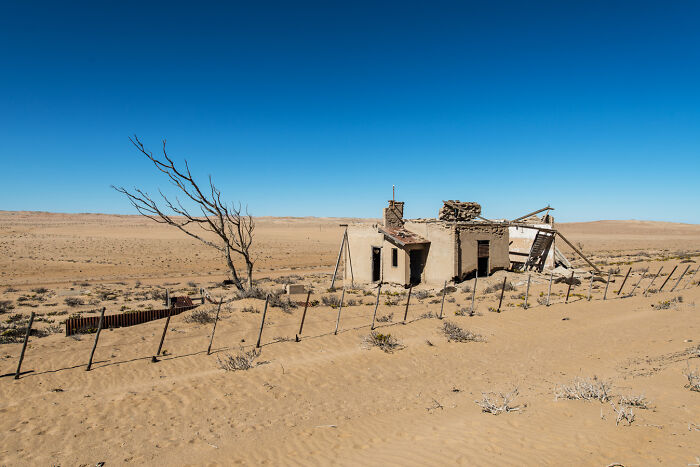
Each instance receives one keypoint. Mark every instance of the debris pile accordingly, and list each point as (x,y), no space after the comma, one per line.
(455,210)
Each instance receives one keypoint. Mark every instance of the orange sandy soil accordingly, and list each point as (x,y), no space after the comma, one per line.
(330,399)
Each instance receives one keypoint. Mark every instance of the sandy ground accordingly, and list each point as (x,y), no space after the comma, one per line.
(332,399)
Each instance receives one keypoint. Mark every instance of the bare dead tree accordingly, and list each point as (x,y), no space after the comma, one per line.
(233,230)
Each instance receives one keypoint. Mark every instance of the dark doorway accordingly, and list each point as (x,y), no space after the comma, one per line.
(482,258)
(376,264)
(417,263)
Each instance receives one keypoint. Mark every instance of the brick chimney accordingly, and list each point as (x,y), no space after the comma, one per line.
(393,215)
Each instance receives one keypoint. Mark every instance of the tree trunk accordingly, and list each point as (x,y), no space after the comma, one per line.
(232,268)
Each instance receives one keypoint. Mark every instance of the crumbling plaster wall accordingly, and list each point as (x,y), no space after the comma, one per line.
(440,265)
(362,238)
(470,234)
(399,274)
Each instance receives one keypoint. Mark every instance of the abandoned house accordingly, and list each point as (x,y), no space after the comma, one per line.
(458,245)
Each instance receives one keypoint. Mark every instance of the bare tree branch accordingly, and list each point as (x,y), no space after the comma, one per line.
(234,231)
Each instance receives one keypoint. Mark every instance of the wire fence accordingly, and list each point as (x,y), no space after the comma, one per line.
(344,318)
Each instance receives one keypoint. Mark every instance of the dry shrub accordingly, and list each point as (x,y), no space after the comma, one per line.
(667,304)
(332,301)
(623,413)
(249,309)
(252,292)
(241,361)
(497,403)
(74,301)
(422,294)
(639,401)
(497,287)
(585,389)
(6,305)
(386,318)
(693,377)
(457,334)
(386,342)
(200,316)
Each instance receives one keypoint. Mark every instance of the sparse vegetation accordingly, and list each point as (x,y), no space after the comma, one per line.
(6,305)
(585,389)
(74,301)
(457,334)
(332,301)
(624,413)
(200,316)
(385,342)
(386,318)
(693,377)
(497,403)
(249,309)
(639,401)
(241,361)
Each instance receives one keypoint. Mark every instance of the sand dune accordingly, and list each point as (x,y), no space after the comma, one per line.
(329,400)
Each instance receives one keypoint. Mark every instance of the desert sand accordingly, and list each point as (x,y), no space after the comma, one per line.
(332,399)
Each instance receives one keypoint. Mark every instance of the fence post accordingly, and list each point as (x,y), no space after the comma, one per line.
(549,291)
(201,292)
(408,299)
(154,358)
(680,278)
(216,320)
(442,305)
(340,308)
(262,321)
(303,316)
(527,290)
(690,281)
(590,286)
(571,282)
(476,280)
(669,276)
(607,284)
(637,284)
(503,289)
(376,305)
(624,280)
(652,281)
(97,336)
(24,345)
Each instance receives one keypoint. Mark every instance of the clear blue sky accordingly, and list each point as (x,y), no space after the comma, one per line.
(317,108)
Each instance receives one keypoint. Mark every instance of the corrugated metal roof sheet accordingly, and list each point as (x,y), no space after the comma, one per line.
(403,237)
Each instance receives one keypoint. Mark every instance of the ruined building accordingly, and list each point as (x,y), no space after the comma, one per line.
(459,244)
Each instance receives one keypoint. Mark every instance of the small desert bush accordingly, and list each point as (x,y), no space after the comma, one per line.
(386,318)
(277,300)
(466,312)
(497,287)
(585,389)
(291,279)
(457,334)
(243,360)
(693,377)
(74,301)
(200,316)
(422,294)
(253,292)
(332,301)
(6,305)
(639,401)
(249,309)
(40,290)
(385,342)
(467,288)
(497,403)
(667,304)
(623,413)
